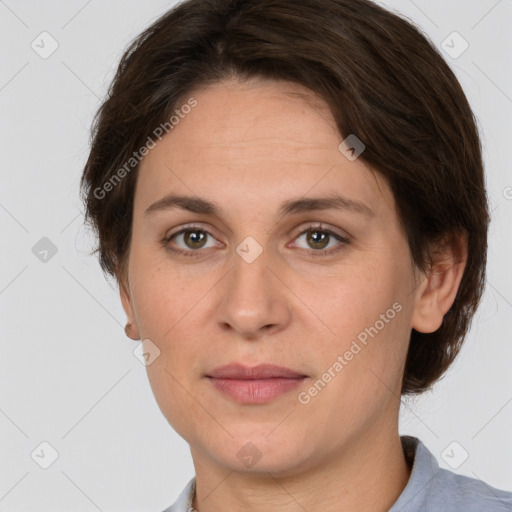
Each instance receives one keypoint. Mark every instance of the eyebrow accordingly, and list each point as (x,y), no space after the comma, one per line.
(200,205)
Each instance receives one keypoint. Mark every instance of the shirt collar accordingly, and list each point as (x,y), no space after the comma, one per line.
(184,501)
(424,469)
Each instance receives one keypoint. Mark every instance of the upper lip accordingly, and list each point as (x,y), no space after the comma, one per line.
(261,371)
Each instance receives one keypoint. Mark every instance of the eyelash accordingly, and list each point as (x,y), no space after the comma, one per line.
(316,227)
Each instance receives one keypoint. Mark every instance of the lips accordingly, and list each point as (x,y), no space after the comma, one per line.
(257,385)
(259,372)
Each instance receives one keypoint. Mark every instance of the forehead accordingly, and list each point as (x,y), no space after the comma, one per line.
(264,105)
(255,139)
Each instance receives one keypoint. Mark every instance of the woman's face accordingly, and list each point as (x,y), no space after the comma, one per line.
(258,282)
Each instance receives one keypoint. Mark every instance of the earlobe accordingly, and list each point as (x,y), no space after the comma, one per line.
(131,330)
(439,287)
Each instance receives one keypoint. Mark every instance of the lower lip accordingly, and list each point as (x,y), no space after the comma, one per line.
(257,391)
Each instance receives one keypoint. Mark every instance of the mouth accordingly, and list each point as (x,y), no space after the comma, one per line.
(255,385)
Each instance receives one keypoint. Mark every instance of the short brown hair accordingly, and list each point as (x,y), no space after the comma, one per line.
(383,81)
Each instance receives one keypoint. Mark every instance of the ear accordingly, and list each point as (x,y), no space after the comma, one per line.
(439,285)
(131,330)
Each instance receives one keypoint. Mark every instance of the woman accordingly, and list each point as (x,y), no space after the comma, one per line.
(291,197)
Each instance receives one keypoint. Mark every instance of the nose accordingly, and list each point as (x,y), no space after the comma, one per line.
(254,299)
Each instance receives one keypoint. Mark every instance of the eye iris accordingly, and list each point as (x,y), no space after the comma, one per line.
(196,237)
(320,244)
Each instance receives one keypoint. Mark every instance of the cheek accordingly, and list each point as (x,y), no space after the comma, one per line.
(360,375)
(170,311)
(169,390)
(350,300)
(167,314)
(161,295)
(368,315)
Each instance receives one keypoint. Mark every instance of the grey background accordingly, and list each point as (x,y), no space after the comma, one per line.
(68,375)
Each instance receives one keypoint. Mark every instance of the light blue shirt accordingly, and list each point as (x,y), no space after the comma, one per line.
(429,489)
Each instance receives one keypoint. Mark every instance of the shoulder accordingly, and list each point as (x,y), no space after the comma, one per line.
(431,488)
(453,492)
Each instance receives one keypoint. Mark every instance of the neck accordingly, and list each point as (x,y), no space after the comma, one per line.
(367,474)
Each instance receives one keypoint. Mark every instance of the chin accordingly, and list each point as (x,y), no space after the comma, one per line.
(257,451)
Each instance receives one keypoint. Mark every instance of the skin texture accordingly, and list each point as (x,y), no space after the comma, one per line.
(249,147)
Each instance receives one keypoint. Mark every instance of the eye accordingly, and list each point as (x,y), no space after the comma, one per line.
(318,238)
(193,239)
